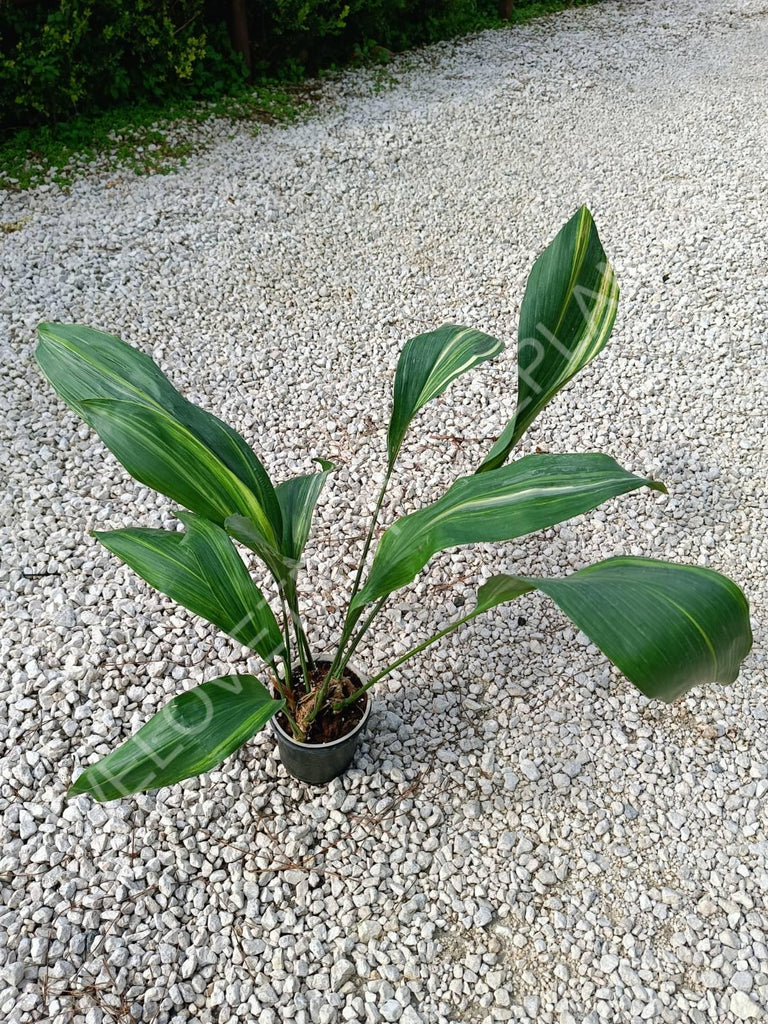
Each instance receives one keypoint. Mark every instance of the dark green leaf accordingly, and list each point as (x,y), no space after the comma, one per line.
(160,452)
(566,318)
(666,627)
(298,497)
(192,734)
(84,364)
(499,590)
(201,569)
(531,494)
(282,567)
(427,365)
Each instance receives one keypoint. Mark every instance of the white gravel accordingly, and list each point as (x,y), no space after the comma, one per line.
(523,835)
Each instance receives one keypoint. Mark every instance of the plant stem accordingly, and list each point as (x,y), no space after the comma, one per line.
(292,598)
(303,664)
(367,547)
(396,664)
(287,638)
(291,721)
(302,643)
(307,649)
(351,618)
(276,682)
(344,661)
(297,733)
(283,691)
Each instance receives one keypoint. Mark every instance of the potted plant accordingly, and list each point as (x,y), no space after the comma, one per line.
(667,627)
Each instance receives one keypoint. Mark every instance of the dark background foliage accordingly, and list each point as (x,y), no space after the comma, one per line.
(58,59)
(62,58)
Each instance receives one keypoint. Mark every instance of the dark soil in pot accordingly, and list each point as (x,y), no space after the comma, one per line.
(333,738)
(327,727)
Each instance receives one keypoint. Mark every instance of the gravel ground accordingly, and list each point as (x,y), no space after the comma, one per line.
(523,836)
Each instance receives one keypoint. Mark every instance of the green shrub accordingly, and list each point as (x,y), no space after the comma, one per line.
(77,56)
(63,58)
(319,33)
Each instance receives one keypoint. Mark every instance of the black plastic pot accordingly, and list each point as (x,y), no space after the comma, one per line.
(318,763)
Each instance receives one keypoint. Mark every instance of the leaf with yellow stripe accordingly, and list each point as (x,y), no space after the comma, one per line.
(566,318)
(531,494)
(192,734)
(298,497)
(667,627)
(427,365)
(201,569)
(163,454)
(85,366)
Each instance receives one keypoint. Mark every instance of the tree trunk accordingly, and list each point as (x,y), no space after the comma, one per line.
(506,7)
(238,31)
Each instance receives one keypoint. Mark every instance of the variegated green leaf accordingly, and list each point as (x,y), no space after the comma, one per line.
(192,734)
(283,567)
(666,627)
(160,452)
(427,365)
(83,364)
(298,497)
(531,494)
(566,317)
(201,569)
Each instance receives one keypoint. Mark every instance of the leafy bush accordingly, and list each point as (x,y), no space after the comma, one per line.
(76,56)
(667,627)
(59,59)
(314,34)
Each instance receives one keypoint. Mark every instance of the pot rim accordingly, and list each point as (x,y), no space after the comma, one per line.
(286,737)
